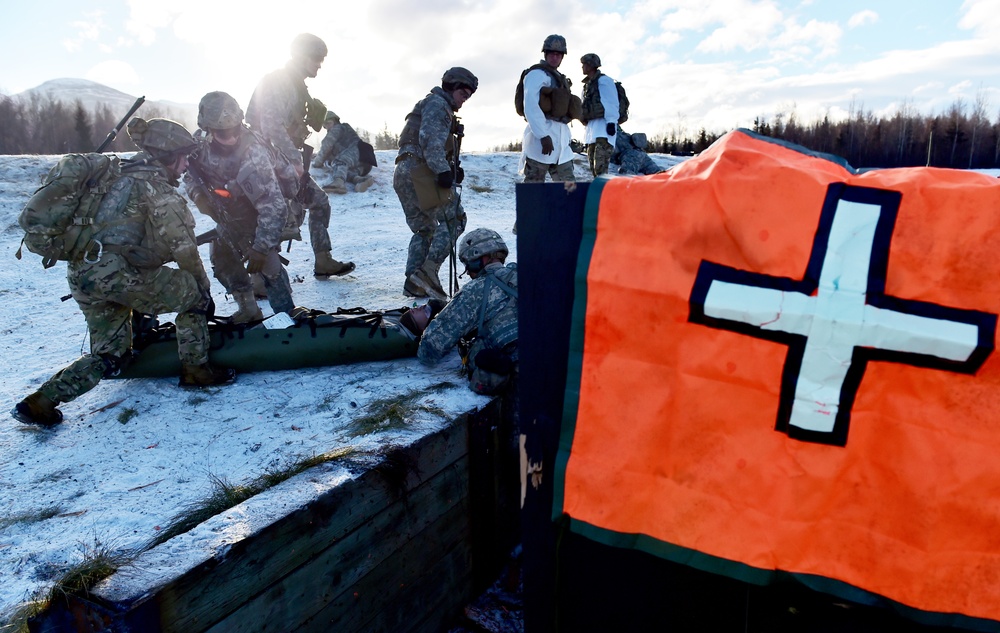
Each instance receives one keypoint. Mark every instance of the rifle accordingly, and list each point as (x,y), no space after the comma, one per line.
(456,165)
(307,155)
(118,128)
(213,234)
(221,215)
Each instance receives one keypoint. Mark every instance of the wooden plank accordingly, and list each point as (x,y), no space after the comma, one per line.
(335,571)
(208,592)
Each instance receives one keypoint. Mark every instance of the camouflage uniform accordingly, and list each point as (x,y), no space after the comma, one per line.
(258,181)
(630,157)
(154,227)
(339,149)
(277,110)
(601,89)
(428,138)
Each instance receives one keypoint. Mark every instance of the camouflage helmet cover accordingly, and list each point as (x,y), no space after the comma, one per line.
(479,242)
(554,44)
(591,59)
(219,111)
(161,136)
(460,76)
(307,45)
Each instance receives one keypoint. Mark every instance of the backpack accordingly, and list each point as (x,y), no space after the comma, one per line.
(58,220)
(557,102)
(594,109)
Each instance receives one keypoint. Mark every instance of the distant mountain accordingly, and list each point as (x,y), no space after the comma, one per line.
(93,96)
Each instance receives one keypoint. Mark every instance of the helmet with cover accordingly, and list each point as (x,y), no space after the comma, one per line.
(162,138)
(591,59)
(219,111)
(456,77)
(554,44)
(308,46)
(477,243)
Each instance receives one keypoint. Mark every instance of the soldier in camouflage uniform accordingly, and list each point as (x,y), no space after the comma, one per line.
(425,177)
(282,111)
(340,150)
(241,182)
(600,114)
(630,155)
(146,224)
(487,305)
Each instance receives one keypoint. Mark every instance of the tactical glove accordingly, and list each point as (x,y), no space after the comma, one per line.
(445,180)
(547,147)
(206,305)
(611,129)
(256,261)
(461,176)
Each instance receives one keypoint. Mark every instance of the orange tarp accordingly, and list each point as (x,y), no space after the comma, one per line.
(679,435)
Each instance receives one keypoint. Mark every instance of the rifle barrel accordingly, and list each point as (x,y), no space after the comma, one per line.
(113,134)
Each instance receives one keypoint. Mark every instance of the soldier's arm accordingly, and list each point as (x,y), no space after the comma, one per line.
(274,105)
(534,81)
(174,227)
(260,185)
(609,98)
(435,126)
(457,319)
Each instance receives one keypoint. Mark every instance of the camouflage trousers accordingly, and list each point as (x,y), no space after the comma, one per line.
(312,197)
(599,156)
(637,162)
(435,230)
(348,166)
(229,269)
(535,171)
(107,293)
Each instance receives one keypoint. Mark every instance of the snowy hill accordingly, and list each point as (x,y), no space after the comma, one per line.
(93,96)
(132,454)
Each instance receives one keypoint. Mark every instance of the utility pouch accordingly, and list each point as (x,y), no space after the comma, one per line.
(429,194)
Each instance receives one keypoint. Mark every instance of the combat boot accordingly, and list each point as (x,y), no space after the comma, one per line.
(248,310)
(429,271)
(327,266)
(364,184)
(37,409)
(337,186)
(205,375)
(418,285)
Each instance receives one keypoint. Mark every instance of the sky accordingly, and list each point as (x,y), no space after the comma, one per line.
(686,64)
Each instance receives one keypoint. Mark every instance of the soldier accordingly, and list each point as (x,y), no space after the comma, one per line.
(341,150)
(630,154)
(600,114)
(282,111)
(424,179)
(145,224)
(486,305)
(545,147)
(242,183)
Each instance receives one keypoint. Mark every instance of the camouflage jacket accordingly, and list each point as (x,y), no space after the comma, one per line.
(463,314)
(338,138)
(430,130)
(258,181)
(277,109)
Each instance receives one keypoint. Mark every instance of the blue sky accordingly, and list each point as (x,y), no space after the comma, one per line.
(686,64)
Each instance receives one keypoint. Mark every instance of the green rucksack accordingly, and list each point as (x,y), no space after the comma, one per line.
(623,103)
(594,109)
(58,220)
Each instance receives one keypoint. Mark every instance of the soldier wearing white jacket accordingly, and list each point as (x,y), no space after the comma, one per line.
(545,147)
(600,114)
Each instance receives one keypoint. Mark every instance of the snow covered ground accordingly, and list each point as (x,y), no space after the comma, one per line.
(105,479)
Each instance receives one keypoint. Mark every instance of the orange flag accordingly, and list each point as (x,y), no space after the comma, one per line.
(780,366)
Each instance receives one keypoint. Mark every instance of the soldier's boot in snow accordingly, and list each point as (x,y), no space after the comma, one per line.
(363,184)
(259,289)
(327,266)
(247,308)
(337,186)
(419,285)
(205,375)
(37,409)
(430,272)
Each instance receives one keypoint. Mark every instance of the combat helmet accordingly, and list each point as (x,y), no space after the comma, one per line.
(459,76)
(331,116)
(554,44)
(479,242)
(591,59)
(308,46)
(219,111)
(162,138)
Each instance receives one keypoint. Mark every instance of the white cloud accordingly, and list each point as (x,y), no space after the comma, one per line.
(982,17)
(862,18)
(87,30)
(113,72)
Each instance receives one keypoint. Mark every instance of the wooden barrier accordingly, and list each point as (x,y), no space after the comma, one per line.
(402,546)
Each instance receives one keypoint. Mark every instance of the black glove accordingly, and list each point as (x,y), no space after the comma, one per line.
(206,305)
(256,261)
(611,129)
(445,179)
(461,176)
(494,361)
(547,147)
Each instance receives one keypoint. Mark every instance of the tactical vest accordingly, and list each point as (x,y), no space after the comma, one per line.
(409,138)
(560,93)
(500,318)
(592,106)
(295,120)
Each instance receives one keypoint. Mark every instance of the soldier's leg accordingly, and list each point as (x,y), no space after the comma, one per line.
(591,156)
(602,151)
(318,203)
(534,171)
(227,266)
(422,223)
(563,172)
(279,287)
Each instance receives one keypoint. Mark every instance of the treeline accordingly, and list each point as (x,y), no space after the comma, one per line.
(962,137)
(47,126)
